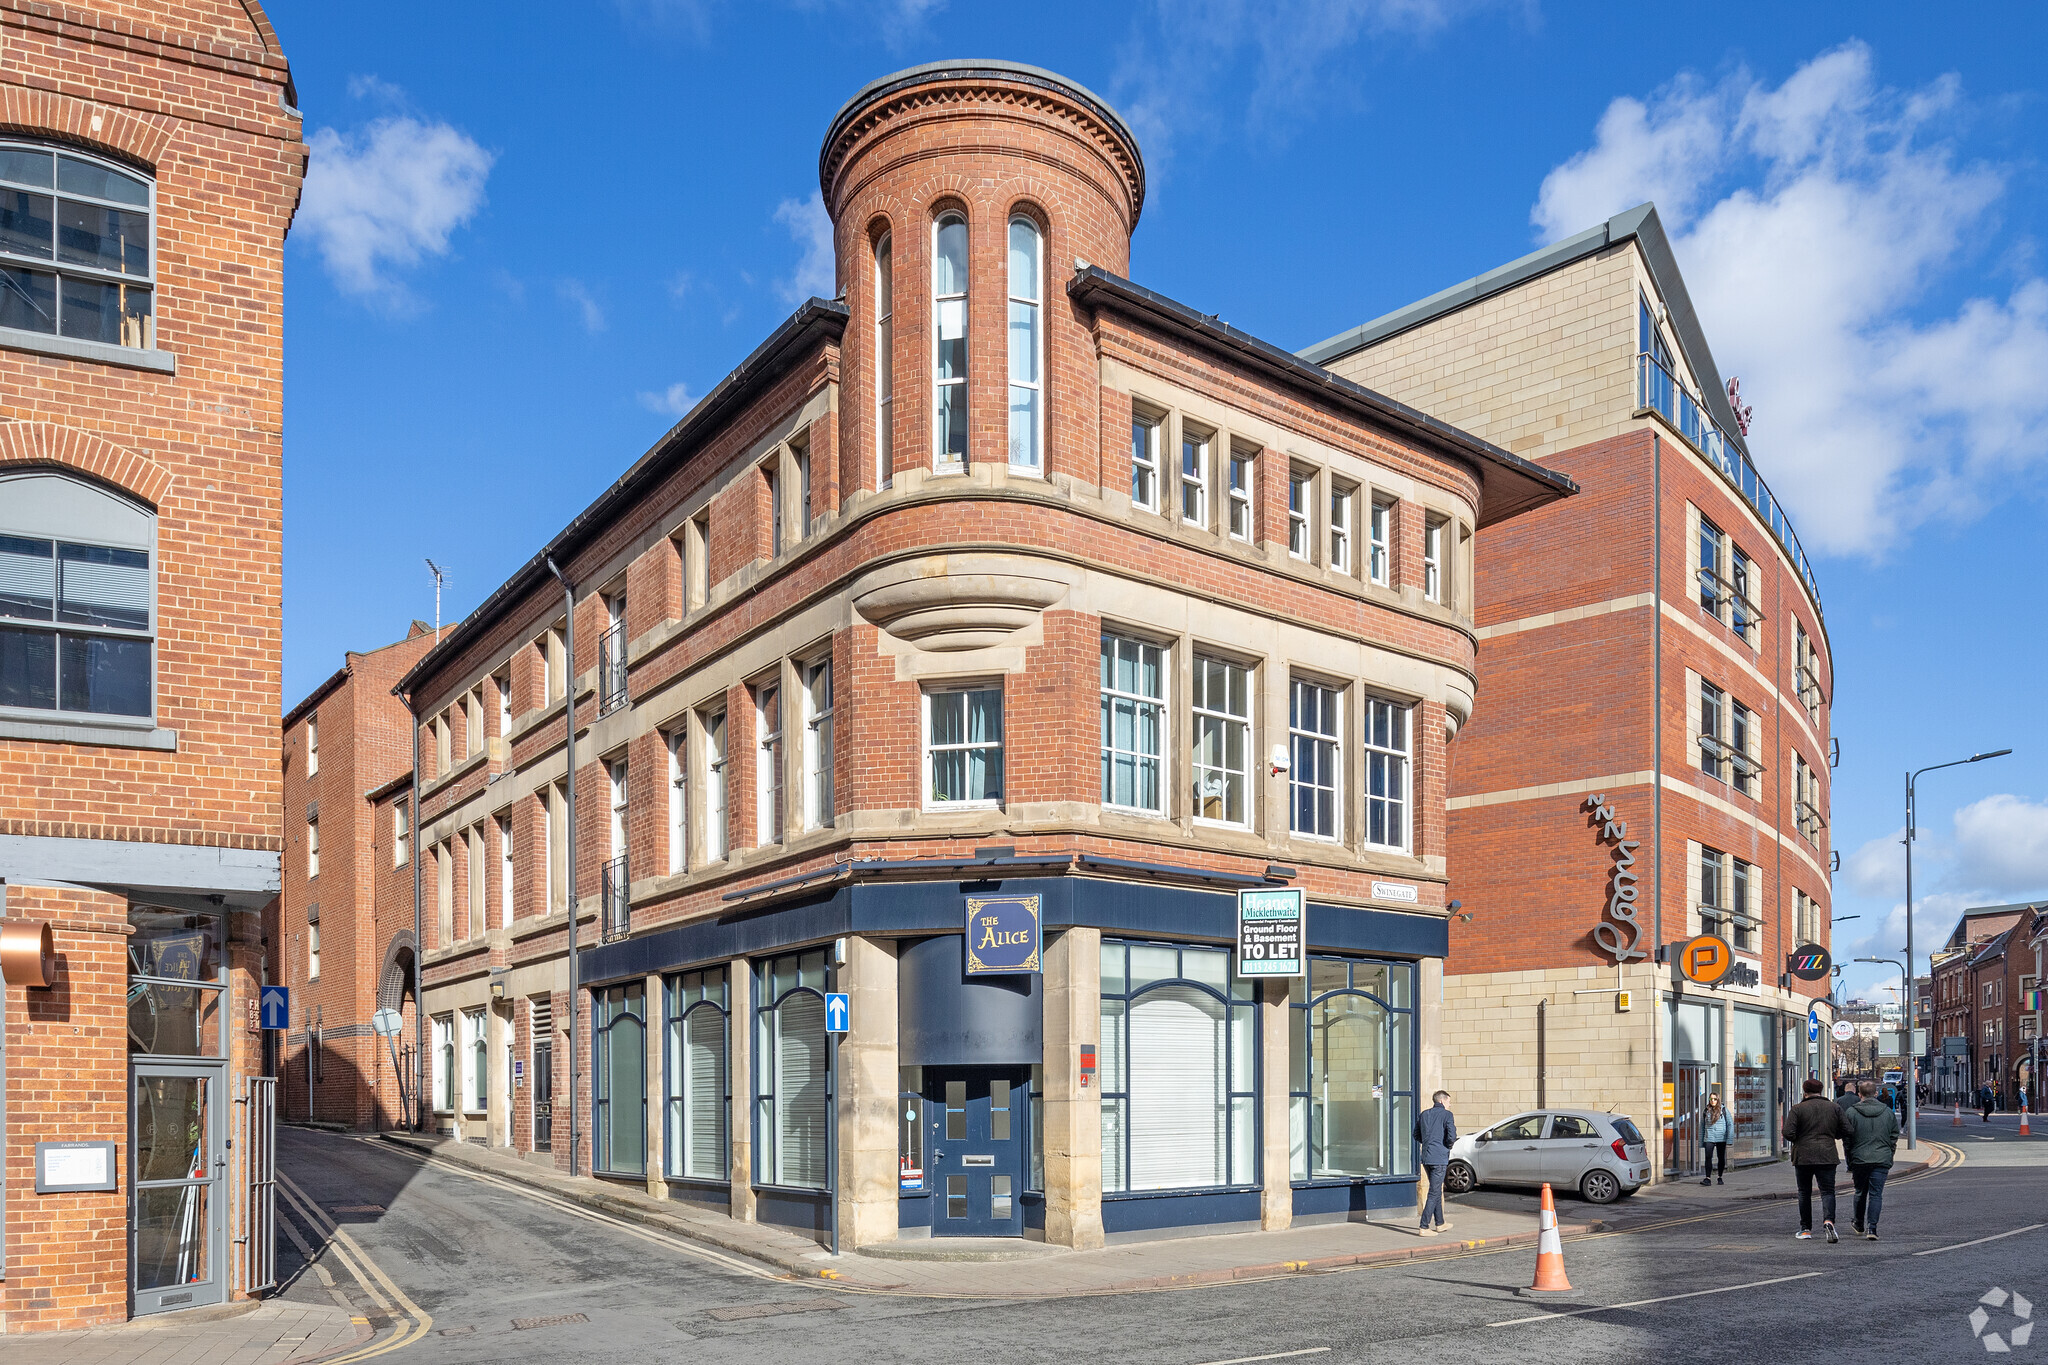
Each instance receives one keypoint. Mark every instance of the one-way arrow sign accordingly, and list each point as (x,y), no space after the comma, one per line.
(277,1007)
(836,1012)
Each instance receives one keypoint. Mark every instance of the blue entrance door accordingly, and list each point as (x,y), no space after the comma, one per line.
(975,1119)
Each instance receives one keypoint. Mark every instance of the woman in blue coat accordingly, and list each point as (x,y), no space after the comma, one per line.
(1715,1131)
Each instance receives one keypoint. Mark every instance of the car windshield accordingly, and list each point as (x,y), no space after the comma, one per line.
(1630,1134)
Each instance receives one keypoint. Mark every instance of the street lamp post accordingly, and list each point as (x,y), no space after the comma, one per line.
(1912,996)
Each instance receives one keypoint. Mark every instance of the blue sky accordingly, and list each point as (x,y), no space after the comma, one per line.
(528,243)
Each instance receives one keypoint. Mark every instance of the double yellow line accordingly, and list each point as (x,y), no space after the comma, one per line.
(412,1321)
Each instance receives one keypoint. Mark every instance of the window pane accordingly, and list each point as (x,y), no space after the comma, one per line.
(956,1111)
(106,239)
(956,1196)
(1023,343)
(173,1021)
(171,1237)
(950,419)
(704,1122)
(103,586)
(28,300)
(1349,1037)
(106,676)
(1023,427)
(1023,259)
(28,578)
(999,1111)
(1150,962)
(84,177)
(1110,1062)
(952,352)
(949,263)
(27,223)
(1178,1105)
(25,167)
(117,314)
(800,1066)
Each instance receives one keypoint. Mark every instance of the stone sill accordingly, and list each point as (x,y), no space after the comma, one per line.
(107,736)
(71,348)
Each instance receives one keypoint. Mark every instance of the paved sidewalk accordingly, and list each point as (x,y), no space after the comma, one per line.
(270,1333)
(1051,1271)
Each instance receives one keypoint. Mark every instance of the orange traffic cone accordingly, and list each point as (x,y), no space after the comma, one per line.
(1550,1280)
(1959,1115)
(2024,1130)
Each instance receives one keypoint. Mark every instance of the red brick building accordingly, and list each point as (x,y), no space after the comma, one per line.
(150,159)
(1650,756)
(1000,592)
(1985,977)
(347,743)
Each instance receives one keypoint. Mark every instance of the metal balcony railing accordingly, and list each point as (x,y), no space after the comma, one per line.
(1657,390)
(611,668)
(615,910)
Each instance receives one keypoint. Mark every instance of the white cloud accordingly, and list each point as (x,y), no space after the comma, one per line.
(1878,869)
(2002,845)
(576,294)
(675,400)
(380,199)
(1812,220)
(816,268)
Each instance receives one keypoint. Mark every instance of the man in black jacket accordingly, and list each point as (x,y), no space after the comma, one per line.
(1811,1128)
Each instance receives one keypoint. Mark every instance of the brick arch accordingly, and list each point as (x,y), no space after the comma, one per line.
(46,443)
(131,136)
(394,978)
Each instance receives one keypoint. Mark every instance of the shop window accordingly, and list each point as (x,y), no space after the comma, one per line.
(1351,1069)
(790,1070)
(1387,804)
(1222,741)
(1133,724)
(1755,1078)
(963,744)
(77,596)
(949,344)
(618,1078)
(1027,349)
(1314,718)
(1178,1066)
(75,248)
(699,1097)
(1144,462)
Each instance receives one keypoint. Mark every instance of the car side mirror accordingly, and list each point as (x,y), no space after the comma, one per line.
(1484,1137)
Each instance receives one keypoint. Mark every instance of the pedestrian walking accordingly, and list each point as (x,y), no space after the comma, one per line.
(1811,1128)
(1437,1131)
(1871,1143)
(1715,1132)
(1986,1101)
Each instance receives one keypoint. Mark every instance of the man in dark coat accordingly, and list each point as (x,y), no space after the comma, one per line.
(1437,1131)
(1872,1139)
(1812,1128)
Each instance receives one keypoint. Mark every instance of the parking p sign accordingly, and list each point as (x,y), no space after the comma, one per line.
(1271,932)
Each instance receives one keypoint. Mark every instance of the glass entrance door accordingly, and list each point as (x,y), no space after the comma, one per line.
(975,1120)
(177,1182)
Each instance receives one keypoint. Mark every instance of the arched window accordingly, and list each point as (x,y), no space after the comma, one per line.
(618,1018)
(76,257)
(791,1066)
(77,599)
(1351,1069)
(698,1095)
(885,361)
(949,343)
(1027,349)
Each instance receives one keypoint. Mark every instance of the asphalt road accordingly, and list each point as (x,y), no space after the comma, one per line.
(504,1276)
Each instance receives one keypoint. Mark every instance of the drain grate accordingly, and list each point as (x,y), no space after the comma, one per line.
(559,1320)
(770,1310)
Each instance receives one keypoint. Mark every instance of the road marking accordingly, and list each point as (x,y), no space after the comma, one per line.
(1995,1237)
(1668,1298)
(672,1242)
(421,1322)
(1277,1355)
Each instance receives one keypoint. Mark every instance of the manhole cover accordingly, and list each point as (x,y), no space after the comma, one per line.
(558,1320)
(769,1310)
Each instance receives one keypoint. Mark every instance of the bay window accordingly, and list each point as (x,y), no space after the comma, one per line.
(1179,1069)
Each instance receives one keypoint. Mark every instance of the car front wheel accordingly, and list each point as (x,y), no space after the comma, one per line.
(1459,1179)
(1600,1187)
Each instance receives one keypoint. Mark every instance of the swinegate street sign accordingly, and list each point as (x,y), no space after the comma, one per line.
(1617,933)
(1272,926)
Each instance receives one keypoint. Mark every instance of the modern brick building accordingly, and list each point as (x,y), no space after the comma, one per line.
(1650,756)
(150,163)
(999,592)
(332,940)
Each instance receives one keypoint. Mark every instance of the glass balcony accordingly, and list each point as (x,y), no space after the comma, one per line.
(1657,389)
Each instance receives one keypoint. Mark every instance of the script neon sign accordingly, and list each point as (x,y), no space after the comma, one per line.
(1617,934)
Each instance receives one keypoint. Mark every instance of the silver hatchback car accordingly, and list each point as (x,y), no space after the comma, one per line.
(1602,1156)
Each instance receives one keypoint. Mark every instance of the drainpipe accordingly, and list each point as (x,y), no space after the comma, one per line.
(419,943)
(1657,785)
(569,838)
(1542,1019)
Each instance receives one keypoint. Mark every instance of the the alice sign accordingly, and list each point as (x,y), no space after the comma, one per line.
(1002,935)
(1617,933)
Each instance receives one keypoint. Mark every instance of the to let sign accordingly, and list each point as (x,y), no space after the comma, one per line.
(1002,935)
(1271,932)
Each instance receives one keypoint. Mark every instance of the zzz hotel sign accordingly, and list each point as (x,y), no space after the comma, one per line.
(1617,934)
(1002,935)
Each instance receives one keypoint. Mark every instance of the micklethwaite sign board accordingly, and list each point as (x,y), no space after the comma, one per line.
(1272,932)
